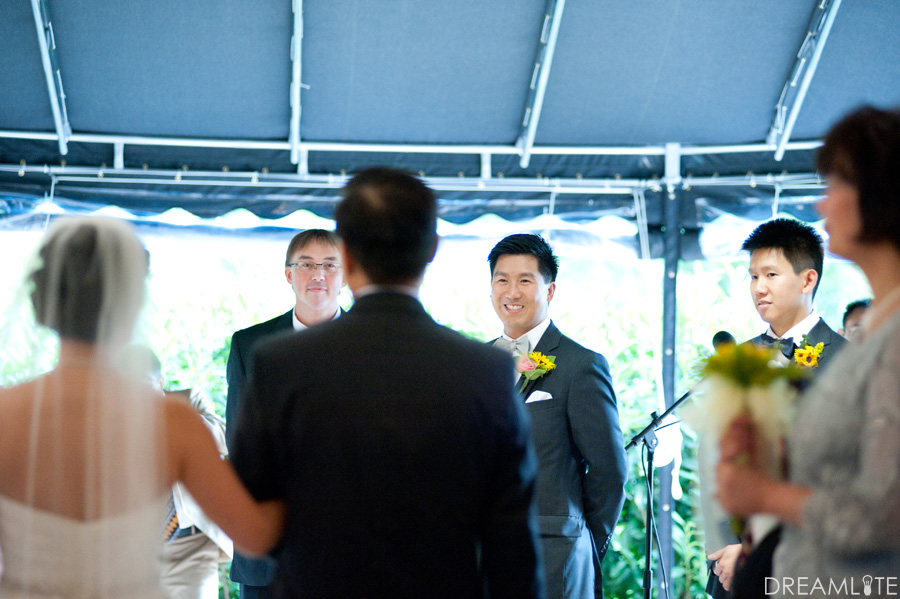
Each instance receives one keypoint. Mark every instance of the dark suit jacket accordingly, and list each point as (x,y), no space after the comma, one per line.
(821,333)
(402,453)
(749,580)
(582,467)
(255,572)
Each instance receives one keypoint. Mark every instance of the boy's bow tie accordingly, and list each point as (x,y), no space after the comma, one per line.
(786,346)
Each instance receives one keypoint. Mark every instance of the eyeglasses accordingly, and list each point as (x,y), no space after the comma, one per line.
(329,267)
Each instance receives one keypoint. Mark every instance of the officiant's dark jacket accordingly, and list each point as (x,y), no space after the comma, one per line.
(403,455)
(244,570)
(581,464)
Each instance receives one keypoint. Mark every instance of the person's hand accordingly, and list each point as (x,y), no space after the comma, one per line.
(725,564)
(741,484)
(738,442)
(741,489)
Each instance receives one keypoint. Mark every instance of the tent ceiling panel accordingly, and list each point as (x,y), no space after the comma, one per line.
(860,65)
(709,165)
(24,103)
(627,78)
(703,72)
(390,71)
(187,69)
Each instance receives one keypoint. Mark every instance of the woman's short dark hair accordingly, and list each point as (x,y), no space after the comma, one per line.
(864,150)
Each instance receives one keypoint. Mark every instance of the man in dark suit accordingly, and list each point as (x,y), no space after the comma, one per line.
(786,261)
(582,467)
(404,459)
(312,268)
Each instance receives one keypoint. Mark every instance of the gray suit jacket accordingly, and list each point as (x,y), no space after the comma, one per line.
(582,467)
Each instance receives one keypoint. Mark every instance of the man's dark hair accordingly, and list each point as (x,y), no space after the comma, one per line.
(527,244)
(304,238)
(853,307)
(800,244)
(388,223)
(864,150)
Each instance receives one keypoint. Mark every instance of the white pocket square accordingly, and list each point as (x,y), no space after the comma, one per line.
(538,396)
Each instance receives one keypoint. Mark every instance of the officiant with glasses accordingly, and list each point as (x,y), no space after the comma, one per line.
(312,267)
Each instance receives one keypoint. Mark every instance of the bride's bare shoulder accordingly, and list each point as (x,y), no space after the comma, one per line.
(181,420)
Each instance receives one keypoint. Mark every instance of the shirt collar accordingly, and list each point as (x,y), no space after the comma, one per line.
(299,326)
(800,329)
(534,335)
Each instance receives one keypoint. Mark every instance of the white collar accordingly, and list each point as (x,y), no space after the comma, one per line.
(534,335)
(800,329)
(299,326)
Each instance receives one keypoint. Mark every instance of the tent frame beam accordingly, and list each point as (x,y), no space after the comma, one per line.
(52,74)
(337,146)
(539,78)
(793,94)
(297,157)
(809,182)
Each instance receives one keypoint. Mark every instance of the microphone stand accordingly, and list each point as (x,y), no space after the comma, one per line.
(648,438)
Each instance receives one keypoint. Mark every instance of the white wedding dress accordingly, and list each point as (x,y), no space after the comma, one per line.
(48,556)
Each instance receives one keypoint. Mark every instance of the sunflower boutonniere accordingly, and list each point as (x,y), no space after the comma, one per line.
(807,354)
(534,366)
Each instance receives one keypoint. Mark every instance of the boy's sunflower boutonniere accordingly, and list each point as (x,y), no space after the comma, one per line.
(534,366)
(807,355)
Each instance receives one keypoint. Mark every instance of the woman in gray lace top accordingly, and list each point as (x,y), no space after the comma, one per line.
(841,508)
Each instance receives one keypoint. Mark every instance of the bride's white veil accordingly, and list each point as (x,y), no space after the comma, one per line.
(82,481)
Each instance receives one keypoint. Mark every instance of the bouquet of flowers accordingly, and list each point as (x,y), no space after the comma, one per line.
(748,380)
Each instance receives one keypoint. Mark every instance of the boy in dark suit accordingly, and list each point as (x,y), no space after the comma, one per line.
(582,467)
(786,259)
(398,446)
(312,268)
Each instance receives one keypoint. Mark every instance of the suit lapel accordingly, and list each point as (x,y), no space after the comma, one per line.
(286,321)
(820,333)
(546,345)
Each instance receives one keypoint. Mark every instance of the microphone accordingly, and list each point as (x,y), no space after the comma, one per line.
(722,338)
(719,339)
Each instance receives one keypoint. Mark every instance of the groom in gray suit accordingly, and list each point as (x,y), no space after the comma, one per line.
(581,458)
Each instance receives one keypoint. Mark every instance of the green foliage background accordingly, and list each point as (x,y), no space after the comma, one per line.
(202,289)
